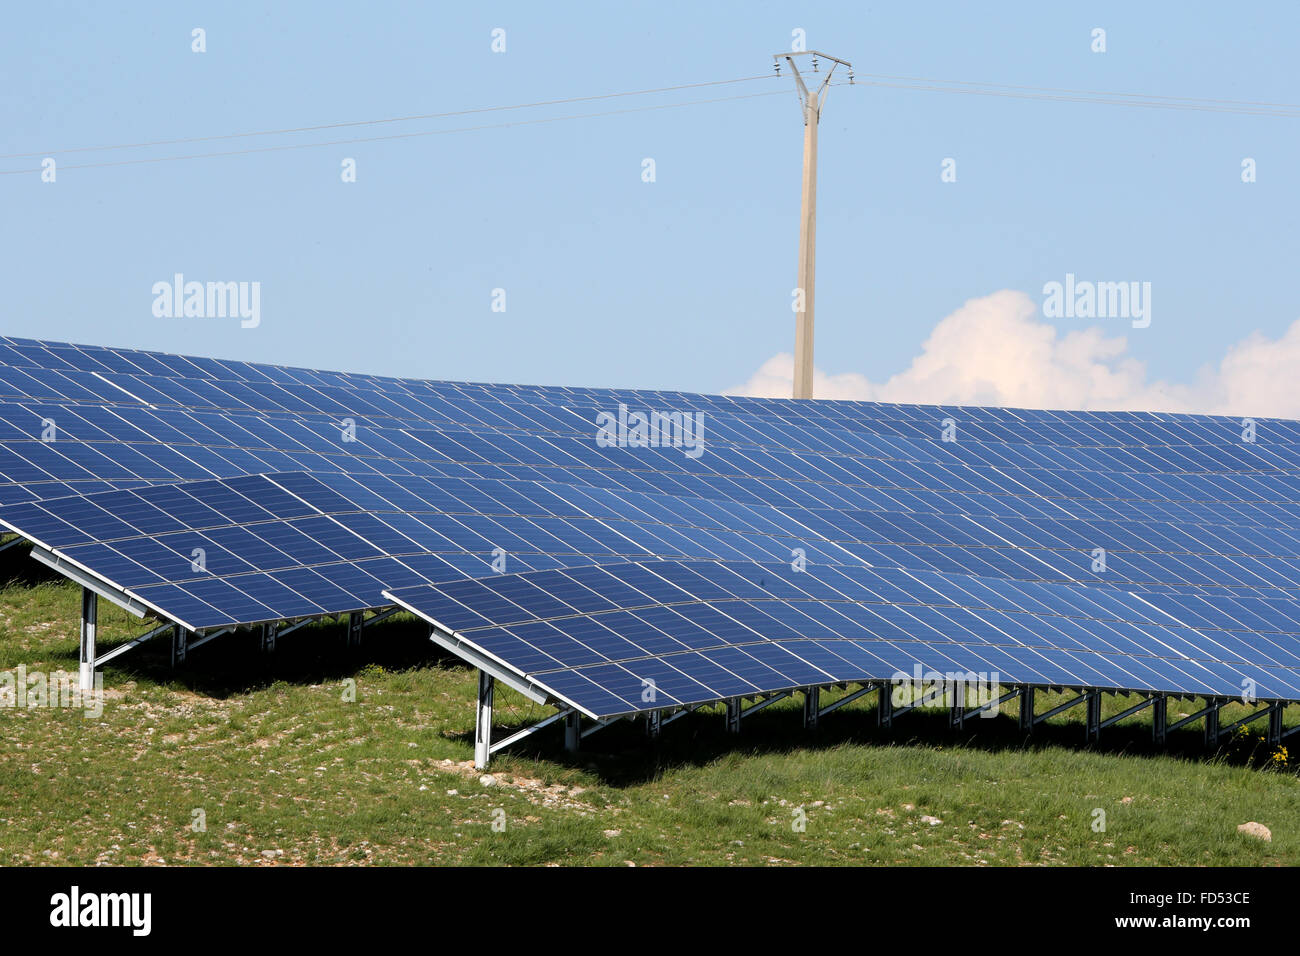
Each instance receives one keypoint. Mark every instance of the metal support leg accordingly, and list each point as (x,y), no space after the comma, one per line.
(885,706)
(89,621)
(957,708)
(1027,710)
(268,638)
(1212,723)
(573,732)
(354,628)
(483,725)
(1160,720)
(1275,723)
(1092,707)
(733,715)
(180,645)
(653,723)
(812,698)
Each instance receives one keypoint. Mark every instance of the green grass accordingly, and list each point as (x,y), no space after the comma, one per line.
(276,759)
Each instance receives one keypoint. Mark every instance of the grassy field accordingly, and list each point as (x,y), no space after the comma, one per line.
(245,758)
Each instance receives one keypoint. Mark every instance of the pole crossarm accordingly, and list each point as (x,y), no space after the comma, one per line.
(813,53)
(812,101)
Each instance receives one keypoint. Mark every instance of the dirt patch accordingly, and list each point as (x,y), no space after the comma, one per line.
(554,797)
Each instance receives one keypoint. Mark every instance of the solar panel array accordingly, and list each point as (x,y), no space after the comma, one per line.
(698,632)
(1126,550)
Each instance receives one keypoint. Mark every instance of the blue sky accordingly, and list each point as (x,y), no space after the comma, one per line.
(680,283)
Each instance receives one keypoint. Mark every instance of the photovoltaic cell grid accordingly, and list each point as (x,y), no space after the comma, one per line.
(294,544)
(597,637)
(313,493)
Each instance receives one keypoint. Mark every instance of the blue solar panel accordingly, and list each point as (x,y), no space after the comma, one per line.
(745,643)
(312,493)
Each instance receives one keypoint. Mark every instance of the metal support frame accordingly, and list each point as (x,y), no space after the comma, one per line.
(767,701)
(811,707)
(572,731)
(1272,711)
(1286,733)
(268,638)
(736,711)
(467,652)
(896,711)
(180,645)
(192,643)
(1160,719)
(956,716)
(356,621)
(1027,710)
(89,624)
(381,616)
(847,699)
(290,628)
(528,731)
(1092,720)
(601,725)
(89,581)
(963,714)
(1211,714)
(1152,701)
(483,722)
(1212,722)
(678,715)
(1058,709)
(733,715)
(121,649)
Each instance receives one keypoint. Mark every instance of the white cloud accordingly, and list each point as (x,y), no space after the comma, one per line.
(997,350)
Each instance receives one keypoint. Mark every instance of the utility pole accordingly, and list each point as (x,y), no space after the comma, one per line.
(812,103)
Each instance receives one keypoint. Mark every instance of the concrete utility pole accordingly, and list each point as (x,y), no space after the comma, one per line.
(812,103)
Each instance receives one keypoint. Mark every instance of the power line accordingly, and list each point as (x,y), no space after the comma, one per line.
(1105,98)
(375,122)
(397,136)
(882,80)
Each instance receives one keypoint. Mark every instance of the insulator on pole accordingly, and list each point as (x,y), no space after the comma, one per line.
(814,64)
(850,77)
